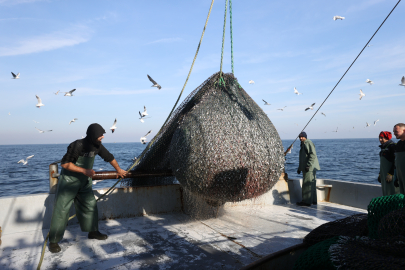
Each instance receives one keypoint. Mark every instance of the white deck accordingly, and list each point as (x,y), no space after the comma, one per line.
(174,241)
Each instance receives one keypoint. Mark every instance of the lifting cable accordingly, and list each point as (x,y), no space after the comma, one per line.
(365,46)
(151,143)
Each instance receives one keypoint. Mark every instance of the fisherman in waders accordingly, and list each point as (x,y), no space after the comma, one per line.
(399,132)
(75,185)
(308,164)
(387,163)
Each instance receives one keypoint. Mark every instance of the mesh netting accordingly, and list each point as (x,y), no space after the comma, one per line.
(316,257)
(219,144)
(365,253)
(381,206)
(392,224)
(355,225)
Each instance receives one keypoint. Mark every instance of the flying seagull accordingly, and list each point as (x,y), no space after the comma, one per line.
(338,18)
(43,131)
(310,107)
(24,162)
(367,124)
(362,94)
(402,81)
(142,116)
(9,113)
(155,84)
(57,92)
(336,130)
(70,93)
(143,139)
(252,82)
(71,121)
(375,122)
(323,114)
(39,104)
(35,122)
(114,126)
(369,81)
(144,112)
(296,92)
(15,76)
(282,108)
(265,102)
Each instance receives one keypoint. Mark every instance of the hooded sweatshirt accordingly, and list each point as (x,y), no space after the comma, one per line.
(88,147)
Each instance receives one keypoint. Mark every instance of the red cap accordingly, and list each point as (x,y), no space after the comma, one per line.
(386,134)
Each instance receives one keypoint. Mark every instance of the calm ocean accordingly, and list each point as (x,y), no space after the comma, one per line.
(353,160)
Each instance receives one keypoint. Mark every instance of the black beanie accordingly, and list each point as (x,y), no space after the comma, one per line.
(303,134)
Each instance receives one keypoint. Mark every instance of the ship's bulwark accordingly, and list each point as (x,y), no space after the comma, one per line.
(219,143)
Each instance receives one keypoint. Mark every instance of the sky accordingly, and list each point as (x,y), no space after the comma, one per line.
(105,49)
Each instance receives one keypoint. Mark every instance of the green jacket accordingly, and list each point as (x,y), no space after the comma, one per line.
(308,157)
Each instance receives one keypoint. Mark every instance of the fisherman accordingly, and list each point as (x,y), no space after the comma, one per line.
(75,185)
(308,164)
(399,132)
(387,163)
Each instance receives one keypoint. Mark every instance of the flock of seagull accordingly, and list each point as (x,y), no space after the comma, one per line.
(70,94)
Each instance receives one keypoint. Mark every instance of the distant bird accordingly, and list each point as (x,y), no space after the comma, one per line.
(369,81)
(265,102)
(369,45)
(282,108)
(39,104)
(43,131)
(155,84)
(24,162)
(15,76)
(336,130)
(114,125)
(323,114)
(71,121)
(375,122)
(143,139)
(296,92)
(140,114)
(338,18)
(362,94)
(144,111)
(252,82)
(57,92)
(310,107)
(9,113)
(367,124)
(402,81)
(35,122)
(70,93)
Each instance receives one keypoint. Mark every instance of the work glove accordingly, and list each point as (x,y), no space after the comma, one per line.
(307,169)
(379,178)
(298,171)
(388,178)
(396,183)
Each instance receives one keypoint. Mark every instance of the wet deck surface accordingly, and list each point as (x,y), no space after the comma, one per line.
(174,241)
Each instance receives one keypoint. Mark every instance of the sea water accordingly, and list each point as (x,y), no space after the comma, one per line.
(354,160)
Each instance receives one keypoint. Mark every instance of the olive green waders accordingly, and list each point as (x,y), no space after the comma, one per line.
(387,188)
(309,187)
(400,168)
(74,187)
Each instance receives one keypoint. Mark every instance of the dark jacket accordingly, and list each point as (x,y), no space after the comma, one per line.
(388,152)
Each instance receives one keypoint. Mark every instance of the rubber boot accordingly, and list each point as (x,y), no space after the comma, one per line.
(54,247)
(97,235)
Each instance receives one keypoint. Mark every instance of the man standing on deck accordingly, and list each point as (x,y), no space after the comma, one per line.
(308,164)
(399,132)
(75,185)
(387,163)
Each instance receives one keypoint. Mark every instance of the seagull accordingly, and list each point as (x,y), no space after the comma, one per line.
(323,114)
(155,84)
(57,92)
(24,162)
(367,124)
(362,94)
(39,104)
(141,115)
(73,120)
(296,92)
(375,122)
(114,126)
(310,107)
(402,81)
(35,122)
(336,130)
(42,131)
(252,82)
(143,139)
(282,108)
(144,111)
(338,18)
(15,76)
(9,113)
(369,81)
(69,94)
(265,102)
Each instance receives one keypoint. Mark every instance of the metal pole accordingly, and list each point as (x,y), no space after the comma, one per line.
(53,177)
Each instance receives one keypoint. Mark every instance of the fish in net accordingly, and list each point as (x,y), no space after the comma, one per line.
(218,143)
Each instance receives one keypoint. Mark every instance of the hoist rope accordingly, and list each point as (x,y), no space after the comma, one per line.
(230,22)
(223,39)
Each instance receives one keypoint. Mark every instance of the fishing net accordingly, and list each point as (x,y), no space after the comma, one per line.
(381,206)
(392,224)
(355,225)
(218,143)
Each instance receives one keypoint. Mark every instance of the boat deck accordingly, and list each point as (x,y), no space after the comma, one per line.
(175,241)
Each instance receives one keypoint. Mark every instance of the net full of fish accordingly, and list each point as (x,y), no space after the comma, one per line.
(219,144)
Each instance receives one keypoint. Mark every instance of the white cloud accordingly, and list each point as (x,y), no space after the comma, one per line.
(15,2)
(166,40)
(47,42)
